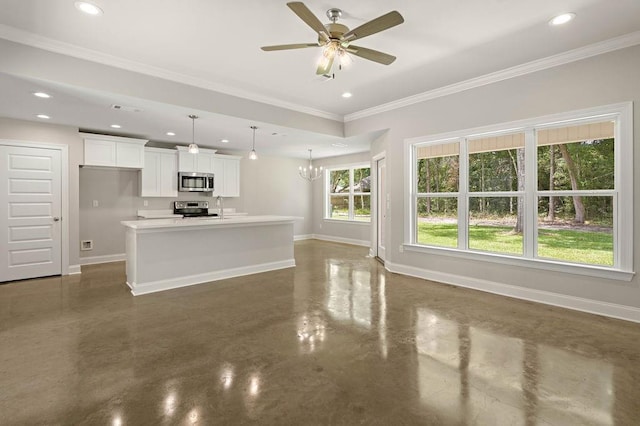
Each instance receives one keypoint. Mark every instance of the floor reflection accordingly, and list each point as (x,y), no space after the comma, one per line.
(349,297)
(311,332)
(471,374)
(574,387)
(335,340)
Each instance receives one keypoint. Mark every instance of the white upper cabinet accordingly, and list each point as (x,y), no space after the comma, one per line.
(226,170)
(231,177)
(113,151)
(217,164)
(200,162)
(159,178)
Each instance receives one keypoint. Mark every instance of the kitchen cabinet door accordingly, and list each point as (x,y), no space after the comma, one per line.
(150,175)
(203,163)
(159,177)
(218,176)
(187,162)
(129,155)
(99,153)
(231,177)
(169,174)
(113,151)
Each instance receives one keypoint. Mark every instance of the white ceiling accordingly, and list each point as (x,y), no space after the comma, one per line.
(218,42)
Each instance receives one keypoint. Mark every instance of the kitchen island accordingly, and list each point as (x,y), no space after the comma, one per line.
(164,254)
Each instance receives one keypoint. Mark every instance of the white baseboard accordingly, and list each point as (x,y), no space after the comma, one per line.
(342,240)
(73,270)
(302,237)
(169,284)
(607,309)
(93,260)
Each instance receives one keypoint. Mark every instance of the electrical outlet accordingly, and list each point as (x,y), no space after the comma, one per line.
(145,203)
(86,245)
(95,203)
(320,226)
(401,248)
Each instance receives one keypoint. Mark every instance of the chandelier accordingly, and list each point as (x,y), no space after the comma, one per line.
(310,173)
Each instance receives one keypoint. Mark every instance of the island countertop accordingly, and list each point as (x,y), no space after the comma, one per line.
(205,222)
(164,254)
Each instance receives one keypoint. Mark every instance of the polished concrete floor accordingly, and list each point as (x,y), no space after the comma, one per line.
(335,340)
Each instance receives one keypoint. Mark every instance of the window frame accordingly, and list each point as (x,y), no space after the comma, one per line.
(622,192)
(351,194)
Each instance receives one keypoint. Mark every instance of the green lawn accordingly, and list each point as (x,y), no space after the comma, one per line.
(594,248)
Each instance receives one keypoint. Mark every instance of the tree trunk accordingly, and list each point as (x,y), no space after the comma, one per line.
(571,166)
(428,188)
(520,174)
(551,214)
(482,201)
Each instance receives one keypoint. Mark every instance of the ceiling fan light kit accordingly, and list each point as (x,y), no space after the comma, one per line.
(335,39)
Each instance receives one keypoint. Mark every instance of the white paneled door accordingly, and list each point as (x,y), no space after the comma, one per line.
(30,208)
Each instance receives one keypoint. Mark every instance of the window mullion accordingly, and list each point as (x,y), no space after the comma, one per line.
(530,233)
(351,198)
(463,197)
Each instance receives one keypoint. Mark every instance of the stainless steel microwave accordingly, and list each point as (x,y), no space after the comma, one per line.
(195,182)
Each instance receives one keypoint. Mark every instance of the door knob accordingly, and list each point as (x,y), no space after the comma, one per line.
(56,219)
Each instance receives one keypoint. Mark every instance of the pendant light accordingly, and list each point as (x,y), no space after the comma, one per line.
(310,173)
(252,154)
(193,148)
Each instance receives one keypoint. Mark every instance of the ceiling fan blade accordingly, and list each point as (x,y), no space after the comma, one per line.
(309,18)
(288,46)
(324,67)
(381,23)
(372,55)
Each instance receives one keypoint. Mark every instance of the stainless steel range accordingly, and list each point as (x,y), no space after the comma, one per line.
(192,208)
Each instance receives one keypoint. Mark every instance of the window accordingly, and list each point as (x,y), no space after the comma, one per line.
(349,194)
(553,190)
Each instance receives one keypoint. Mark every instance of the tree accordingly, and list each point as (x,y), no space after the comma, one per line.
(573,177)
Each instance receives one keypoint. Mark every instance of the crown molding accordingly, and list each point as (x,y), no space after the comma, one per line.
(580,53)
(34,40)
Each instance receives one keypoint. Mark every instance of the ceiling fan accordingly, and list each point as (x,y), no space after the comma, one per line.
(335,39)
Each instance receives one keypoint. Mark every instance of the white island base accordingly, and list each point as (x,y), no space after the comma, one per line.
(164,254)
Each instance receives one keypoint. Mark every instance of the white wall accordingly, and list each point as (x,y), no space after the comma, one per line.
(268,186)
(601,80)
(359,233)
(29,131)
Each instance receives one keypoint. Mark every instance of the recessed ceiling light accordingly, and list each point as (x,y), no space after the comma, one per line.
(42,95)
(347,95)
(224,140)
(43,116)
(88,8)
(116,126)
(170,134)
(562,19)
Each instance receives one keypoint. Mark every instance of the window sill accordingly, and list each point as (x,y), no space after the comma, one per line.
(350,222)
(547,265)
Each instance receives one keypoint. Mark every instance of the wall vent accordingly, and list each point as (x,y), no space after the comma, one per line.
(127,108)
